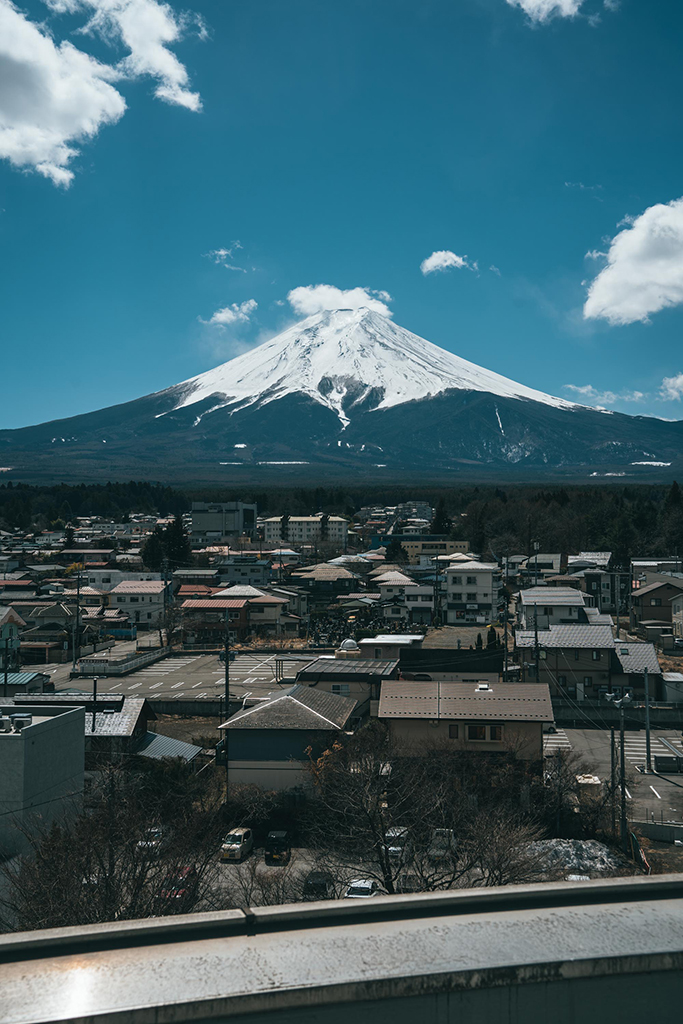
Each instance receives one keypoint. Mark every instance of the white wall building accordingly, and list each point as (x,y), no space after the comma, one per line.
(473,592)
(144,601)
(306,530)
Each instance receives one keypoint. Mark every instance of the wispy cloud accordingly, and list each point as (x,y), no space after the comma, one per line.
(315,298)
(56,96)
(540,11)
(224,257)
(593,396)
(237,313)
(644,270)
(444,259)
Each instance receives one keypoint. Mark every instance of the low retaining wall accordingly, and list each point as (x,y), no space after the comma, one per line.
(119,666)
(664,832)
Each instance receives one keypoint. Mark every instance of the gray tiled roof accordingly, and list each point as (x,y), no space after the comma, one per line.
(298,707)
(635,657)
(557,596)
(119,719)
(158,746)
(573,635)
(521,702)
(330,668)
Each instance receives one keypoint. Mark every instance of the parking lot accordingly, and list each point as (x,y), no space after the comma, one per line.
(649,797)
(195,677)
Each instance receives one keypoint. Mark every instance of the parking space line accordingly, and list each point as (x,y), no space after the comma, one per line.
(655,792)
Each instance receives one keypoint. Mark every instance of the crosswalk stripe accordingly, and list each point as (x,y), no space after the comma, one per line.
(556,741)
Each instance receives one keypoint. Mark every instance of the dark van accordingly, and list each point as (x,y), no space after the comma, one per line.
(319,885)
(278,848)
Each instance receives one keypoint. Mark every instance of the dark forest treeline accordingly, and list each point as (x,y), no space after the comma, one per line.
(626,520)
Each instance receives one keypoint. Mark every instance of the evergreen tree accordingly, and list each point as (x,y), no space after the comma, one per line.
(396,553)
(153,550)
(442,522)
(177,544)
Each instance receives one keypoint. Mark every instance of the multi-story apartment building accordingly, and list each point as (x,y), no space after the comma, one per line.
(306,529)
(473,592)
(143,601)
(215,522)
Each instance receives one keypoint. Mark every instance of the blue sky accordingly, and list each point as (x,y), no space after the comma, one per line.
(342,144)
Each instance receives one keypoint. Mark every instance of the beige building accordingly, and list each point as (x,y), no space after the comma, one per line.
(468,716)
(306,530)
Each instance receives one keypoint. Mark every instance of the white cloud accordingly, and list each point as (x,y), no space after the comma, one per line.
(494,269)
(542,10)
(592,396)
(146,29)
(234,314)
(52,96)
(672,388)
(314,298)
(223,257)
(55,96)
(444,259)
(644,271)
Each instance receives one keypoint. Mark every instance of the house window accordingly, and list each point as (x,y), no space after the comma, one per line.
(577,654)
(562,680)
(149,615)
(596,655)
(587,680)
(343,689)
(471,597)
(456,597)
(452,732)
(655,602)
(456,581)
(476,732)
(547,611)
(496,732)
(472,580)
(378,652)
(134,600)
(425,597)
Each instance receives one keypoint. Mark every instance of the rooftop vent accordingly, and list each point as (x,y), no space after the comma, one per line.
(20,721)
(5,724)
(483,687)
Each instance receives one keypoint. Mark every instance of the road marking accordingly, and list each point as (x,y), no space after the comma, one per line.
(628,795)
(176,685)
(155,685)
(655,792)
(176,695)
(201,695)
(556,741)
(133,685)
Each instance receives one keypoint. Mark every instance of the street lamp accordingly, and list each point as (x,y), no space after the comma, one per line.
(621,703)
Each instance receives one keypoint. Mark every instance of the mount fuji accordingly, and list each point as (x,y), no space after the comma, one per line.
(345,392)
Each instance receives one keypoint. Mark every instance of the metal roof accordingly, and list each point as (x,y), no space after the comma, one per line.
(571,635)
(521,702)
(157,746)
(330,668)
(564,596)
(298,707)
(119,718)
(215,603)
(673,582)
(634,657)
(139,586)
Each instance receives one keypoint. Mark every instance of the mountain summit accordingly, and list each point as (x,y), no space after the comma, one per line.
(343,394)
(346,360)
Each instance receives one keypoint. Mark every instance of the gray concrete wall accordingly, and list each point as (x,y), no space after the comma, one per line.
(41,769)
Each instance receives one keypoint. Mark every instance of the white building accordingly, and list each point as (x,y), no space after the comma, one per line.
(144,601)
(473,592)
(306,529)
(551,606)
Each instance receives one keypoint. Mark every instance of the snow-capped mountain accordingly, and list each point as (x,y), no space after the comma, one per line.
(345,394)
(347,359)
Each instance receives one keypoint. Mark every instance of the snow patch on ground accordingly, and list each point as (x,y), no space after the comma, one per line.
(561,857)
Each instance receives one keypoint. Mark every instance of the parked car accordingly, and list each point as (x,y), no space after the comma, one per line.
(319,885)
(678,643)
(231,655)
(442,846)
(397,841)
(238,844)
(363,889)
(408,883)
(153,841)
(181,884)
(278,848)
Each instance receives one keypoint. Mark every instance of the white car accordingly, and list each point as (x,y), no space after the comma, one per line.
(238,844)
(363,889)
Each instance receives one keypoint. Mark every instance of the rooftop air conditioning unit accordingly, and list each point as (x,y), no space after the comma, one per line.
(20,721)
(483,686)
(5,724)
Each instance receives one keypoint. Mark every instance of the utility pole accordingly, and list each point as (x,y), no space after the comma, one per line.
(164,566)
(623,829)
(76,630)
(648,746)
(537,653)
(227,697)
(6,665)
(613,778)
(94,702)
(536,547)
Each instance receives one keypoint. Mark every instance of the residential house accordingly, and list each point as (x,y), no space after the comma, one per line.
(41,767)
(476,716)
(349,674)
(653,603)
(473,593)
(388,646)
(323,583)
(418,546)
(442,656)
(204,620)
(676,603)
(538,566)
(575,660)
(550,606)
(11,625)
(197,577)
(247,568)
(144,601)
(271,742)
(629,661)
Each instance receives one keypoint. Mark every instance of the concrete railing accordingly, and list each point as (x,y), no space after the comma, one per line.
(120,666)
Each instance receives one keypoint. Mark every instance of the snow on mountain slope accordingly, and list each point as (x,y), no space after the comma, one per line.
(344,358)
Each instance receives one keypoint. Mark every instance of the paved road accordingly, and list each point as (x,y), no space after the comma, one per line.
(647,796)
(194,677)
